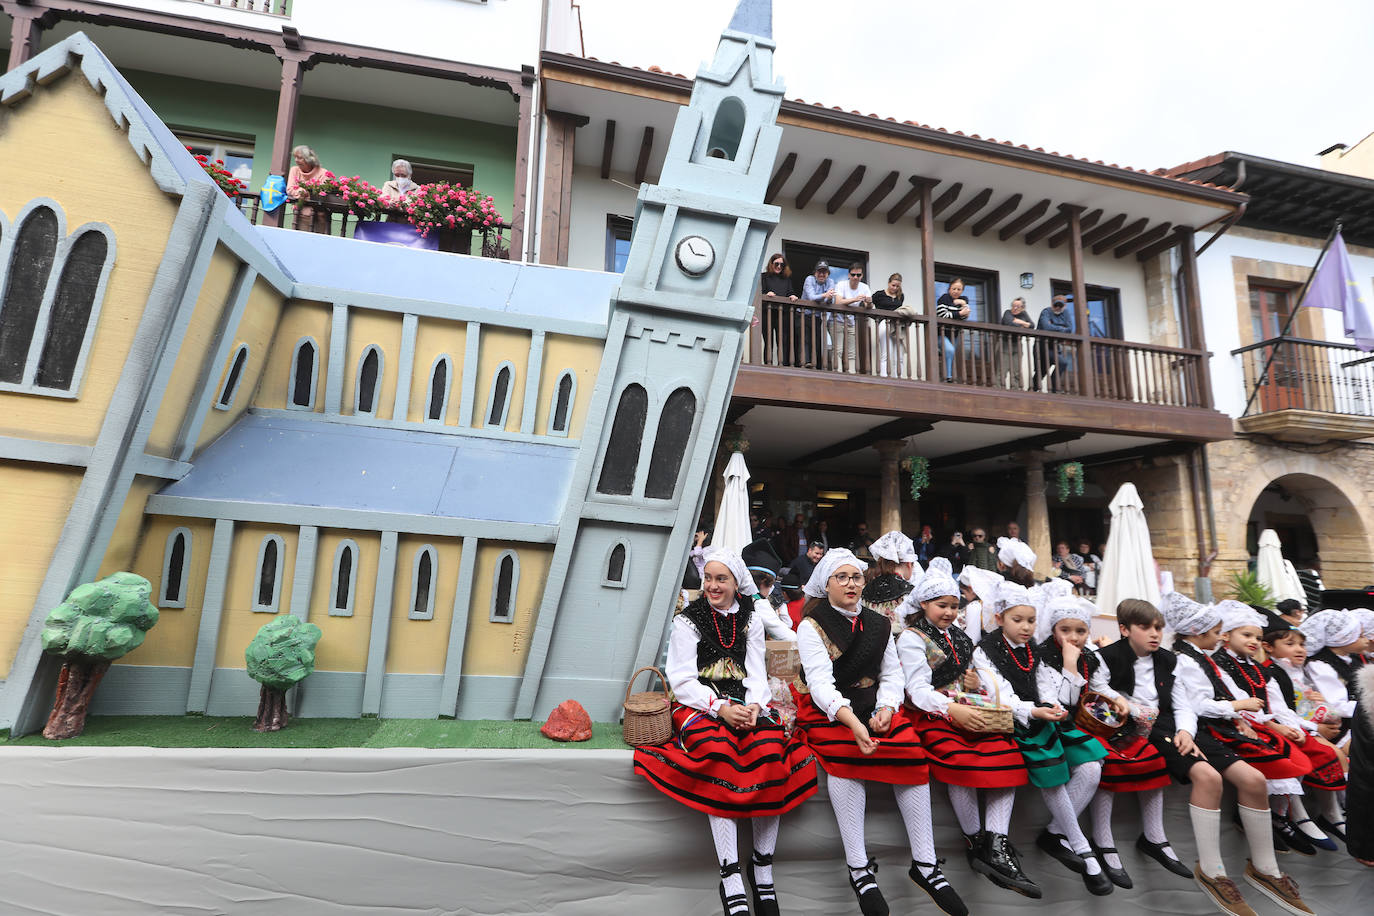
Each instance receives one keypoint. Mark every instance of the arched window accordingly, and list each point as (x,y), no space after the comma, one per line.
(305,371)
(176,568)
(727,130)
(616,562)
(231,381)
(369,385)
(267,593)
(498,402)
(64,342)
(31,261)
(560,416)
(622,448)
(674,429)
(504,588)
(436,407)
(345,583)
(422,589)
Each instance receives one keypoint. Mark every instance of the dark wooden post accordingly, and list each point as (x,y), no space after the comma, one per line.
(525,98)
(559,144)
(24,37)
(1192,308)
(935,369)
(1080,299)
(293,67)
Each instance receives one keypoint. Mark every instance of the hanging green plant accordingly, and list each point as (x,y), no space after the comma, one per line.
(736,442)
(919,469)
(1070,479)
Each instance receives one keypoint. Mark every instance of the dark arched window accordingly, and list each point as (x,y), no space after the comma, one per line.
(615,566)
(437,405)
(71,310)
(176,564)
(674,429)
(231,381)
(561,416)
(622,449)
(505,588)
(345,582)
(727,130)
(369,381)
(305,368)
(422,584)
(268,592)
(31,261)
(498,404)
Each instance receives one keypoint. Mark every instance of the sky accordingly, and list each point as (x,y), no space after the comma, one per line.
(1148,85)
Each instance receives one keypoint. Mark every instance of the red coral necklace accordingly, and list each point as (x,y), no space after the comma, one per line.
(734,629)
(1011,650)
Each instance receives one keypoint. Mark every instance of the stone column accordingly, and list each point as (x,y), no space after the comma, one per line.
(1037,533)
(890,484)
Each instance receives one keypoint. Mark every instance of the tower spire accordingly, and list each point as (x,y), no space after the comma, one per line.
(753,17)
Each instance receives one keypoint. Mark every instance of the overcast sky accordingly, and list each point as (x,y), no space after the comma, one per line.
(1143,84)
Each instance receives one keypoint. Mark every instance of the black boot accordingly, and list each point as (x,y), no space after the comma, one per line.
(871,899)
(734,904)
(999,862)
(938,887)
(1050,844)
(973,842)
(765,895)
(1118,876)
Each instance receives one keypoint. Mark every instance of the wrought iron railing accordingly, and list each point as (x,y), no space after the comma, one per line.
(1292,373)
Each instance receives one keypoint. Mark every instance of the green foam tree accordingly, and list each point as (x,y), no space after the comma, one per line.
(98,623)
(280,657)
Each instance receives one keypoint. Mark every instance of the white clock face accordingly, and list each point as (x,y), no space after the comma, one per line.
(695,255)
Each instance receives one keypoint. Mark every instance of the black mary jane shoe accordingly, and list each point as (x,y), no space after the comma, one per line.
(1156,852)
(999,862)
(871,899)
(1050,844)
(765,895)
(734,904)
(1293,839)
(1331,828)
(1099,885)
(938,887)
(1117,876)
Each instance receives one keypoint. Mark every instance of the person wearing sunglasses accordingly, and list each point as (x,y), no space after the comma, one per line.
(778,320)
(853,293)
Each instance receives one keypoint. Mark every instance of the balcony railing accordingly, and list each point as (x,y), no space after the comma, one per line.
(1311,375)
(845,340)
(270,7)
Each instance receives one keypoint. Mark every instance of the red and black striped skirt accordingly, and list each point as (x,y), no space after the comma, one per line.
(719,771)
(974,759)
(1326,766)
(1270,753)
(1134,765)
(899,760)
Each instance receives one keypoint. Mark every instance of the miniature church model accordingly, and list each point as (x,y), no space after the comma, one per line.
(478,478)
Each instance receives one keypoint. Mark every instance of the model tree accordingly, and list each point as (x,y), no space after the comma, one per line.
(99,622)
(280,657)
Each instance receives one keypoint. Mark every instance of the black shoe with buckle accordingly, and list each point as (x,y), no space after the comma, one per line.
(938,887)
(1099,885)
(1291,837)
(1156,852)
(765,895)
(999,862)
(1331,828)
(1117,876)
(871,899)
(735,904)
(1050,844)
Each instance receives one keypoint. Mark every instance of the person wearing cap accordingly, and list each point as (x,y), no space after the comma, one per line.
(763,565)
(1049,353)
(730,758)
(819,287)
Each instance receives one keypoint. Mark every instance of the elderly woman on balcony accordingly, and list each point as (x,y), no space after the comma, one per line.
(400,184)
(307,166)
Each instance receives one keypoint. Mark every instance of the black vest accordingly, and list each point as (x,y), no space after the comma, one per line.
(710,648)
(1278,673)
(1120,658)
(999,652)
(1052,654)
(861,646)
(952,667)
(1344,670)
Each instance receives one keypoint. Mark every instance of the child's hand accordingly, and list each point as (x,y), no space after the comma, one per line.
(1292,734)
(1329,730)
(1071,655)
(754,711)
(735,715)
(881,721)
(968,717)
(1316,697)
(971,681)
(1049,713)
(1249,704)
(1122,708)
(1184,742)
(867,744)
(1244,728)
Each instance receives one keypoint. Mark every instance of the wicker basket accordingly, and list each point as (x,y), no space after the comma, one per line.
(1084,720)
(648,715)
(998,719)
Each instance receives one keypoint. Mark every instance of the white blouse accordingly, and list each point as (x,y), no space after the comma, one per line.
(996,686)
(820,672)
(1185,719)
(911,651)
(1198,688)
(682,666)
(1339,702)
(1064,686)
(1278,707)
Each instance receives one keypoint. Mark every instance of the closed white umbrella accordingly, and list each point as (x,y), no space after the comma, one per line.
(732,529)
(1128,569)
(1274,572)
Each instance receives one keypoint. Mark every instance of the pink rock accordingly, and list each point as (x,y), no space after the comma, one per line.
(568,722)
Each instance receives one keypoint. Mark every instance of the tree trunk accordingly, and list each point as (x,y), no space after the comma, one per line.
(75,689)
(272,715)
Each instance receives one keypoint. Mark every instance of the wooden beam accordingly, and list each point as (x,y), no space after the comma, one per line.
(850,185)
(780,177)
(813,184)
(1116,238)
(1000,212)
(1058,437)
(1050,225)
(895,429)
(607,148)
(944,200)
(1087,222)
(879,194)
(737,410)
(1163,245)
(1102,230)
(909,199)
(646,146)
(962,215)
(1140,241)
(1024,220)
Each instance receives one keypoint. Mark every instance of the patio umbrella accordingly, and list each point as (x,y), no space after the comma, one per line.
(1128,569)
(1274,572)
(732,529)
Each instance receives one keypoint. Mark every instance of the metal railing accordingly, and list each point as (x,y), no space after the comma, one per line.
(1305,374)
(270,7)
(845,340)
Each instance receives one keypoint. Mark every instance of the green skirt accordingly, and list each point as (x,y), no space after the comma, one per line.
(1051,750)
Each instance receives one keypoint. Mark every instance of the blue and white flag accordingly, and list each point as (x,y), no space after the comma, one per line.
(1335,286)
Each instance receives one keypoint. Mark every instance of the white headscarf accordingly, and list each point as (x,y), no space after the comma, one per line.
(1330,628)
(894,546)
(936,583)
(1366,618)
(983,582)
(744,583)
(1049,598)
(1009,594)
(1235,615)
(834,558)
(1186,617)
(1013,550)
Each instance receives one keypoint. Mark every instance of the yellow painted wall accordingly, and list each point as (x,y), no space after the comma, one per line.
(583,356)
(366,328)
(197,347)
(173,640)
(299,319)
(500,648)
(498,345)
(33,509)
(433,337)
(119,555)
(255,329)
(239,623)
(421,646)
(343,645)
(44,130)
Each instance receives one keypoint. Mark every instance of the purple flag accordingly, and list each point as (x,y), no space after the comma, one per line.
(1335,287)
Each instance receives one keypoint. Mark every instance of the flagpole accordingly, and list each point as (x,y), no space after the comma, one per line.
(1292,314)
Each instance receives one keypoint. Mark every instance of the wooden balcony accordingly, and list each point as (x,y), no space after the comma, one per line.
(869,361)
(1307,390)
(270,7)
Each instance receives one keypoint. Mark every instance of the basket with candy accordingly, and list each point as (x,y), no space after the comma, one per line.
(1097,716)
(996,717)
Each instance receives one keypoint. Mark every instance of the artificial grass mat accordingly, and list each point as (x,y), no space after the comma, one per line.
(207,731)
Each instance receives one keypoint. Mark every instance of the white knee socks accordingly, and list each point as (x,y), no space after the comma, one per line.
(1260,835)
(765,842)
(1297,813)
(1102,825)
(1152,818)
(914,803)
(964,800)
(727,850)
(997,816)
(1207,834)
(848,798)
(1083,784)
(1064,822)
(1279,805)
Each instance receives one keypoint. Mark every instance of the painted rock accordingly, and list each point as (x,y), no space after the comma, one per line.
(568,722)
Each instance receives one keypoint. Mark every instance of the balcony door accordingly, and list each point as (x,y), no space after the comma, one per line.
(1271,308)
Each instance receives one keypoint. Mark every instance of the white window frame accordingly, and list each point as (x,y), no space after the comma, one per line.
(377,385)
(491,396)
(314,375)
(572,401)
(180,599)
(230,390)
(334,609)
(514,587)
(276,584)
(427,613)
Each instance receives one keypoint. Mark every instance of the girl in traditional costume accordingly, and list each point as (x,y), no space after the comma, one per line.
(888,577)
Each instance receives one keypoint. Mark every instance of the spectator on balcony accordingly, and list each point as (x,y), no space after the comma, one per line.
(1091,562)
(400,184)
(307,166)
(1014,317)
(1069,566)
(1050,354)
(853,294)
(777,279)
(817,288)
(891,334)
(779,323)
(952,306)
